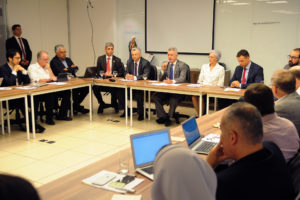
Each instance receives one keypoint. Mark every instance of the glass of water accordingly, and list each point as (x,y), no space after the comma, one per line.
(124,162)
(145,76)
(115,73)
(101,74)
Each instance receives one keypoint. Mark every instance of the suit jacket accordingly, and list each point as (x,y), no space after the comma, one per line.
(143,68)
(180,72)
(255,75)
(9,79)
(117,65)
(12,43)
(289,107)
(58,67)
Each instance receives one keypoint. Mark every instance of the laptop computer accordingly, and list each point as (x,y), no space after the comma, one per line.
(194,138)
(62,77)
(145,146)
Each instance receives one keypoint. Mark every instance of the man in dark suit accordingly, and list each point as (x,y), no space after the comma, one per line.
(175,72)
(137,68)
(108,64)
(247,72)
(284,88)
(62,64)
(20,44)
(14,74)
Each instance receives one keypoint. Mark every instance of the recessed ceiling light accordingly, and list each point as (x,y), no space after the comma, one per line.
(276,2)
(240,4)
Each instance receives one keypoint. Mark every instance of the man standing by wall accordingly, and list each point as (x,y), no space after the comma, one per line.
(20,44)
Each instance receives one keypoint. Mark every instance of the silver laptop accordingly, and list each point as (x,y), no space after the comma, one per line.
(145,146)
(194,138)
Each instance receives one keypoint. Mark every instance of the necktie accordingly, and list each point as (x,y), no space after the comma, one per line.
(22,48)
(135,69)
(171,72)
(244,73)
(108,65)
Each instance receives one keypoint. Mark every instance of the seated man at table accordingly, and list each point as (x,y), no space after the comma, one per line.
(259,171)
(247,72)
(279,130)
(41,71)
(288,105)
(294,58)
(296,71)
(14,74)
(175,72)
(108,64)
(137,68)
(62,64)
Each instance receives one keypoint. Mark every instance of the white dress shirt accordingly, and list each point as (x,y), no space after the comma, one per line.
(215,77)
(14,72)
(36,72)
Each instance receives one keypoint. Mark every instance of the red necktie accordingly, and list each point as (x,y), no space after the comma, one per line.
(22,48)
(243,79)
(108,65)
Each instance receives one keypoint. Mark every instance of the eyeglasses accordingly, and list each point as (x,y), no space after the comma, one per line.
(292,57)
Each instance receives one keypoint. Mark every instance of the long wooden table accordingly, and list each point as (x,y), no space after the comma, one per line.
(6,95)
(70,186)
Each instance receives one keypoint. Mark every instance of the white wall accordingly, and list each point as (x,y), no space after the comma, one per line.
(103,17)
(44,23)
(268,31)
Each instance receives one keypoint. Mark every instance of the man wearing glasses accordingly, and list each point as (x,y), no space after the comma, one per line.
(294,58)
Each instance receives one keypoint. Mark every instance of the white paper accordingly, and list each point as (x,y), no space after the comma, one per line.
(57,83)
(26,88)
(194,85)
(5,88)
(126,197)
(212,137)
(131,185)
(126,80)
(177,139)
(232,89)
(165,84)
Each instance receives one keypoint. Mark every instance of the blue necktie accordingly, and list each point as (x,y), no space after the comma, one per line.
(171,72)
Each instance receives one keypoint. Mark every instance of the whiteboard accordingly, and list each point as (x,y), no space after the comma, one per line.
(187,25)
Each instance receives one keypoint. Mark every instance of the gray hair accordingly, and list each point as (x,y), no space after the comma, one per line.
(136,49)
(40,53)
(108,44)
(57,47)
(284,80)
(217,54)
(247,118)
(173,49)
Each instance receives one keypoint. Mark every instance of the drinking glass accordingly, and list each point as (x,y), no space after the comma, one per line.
(145,76)
(124,162)
(101,74)
(115,73)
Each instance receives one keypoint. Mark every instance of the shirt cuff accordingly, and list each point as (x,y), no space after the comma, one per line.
(24,72)
(14,73)
(134,78)
(174,81)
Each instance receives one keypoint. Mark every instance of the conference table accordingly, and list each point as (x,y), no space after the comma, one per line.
(10,93)
(70,187)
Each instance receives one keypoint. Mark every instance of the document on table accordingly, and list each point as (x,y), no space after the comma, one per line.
(26,88)
(232,89)
(57,83)
(165,84)
(126,80)
(5,88)
(194,85)
(117,177)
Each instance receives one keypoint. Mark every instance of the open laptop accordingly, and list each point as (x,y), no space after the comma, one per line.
(145,146)
(194,138)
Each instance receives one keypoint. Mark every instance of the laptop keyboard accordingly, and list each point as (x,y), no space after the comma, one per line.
(205,146)
(149,170)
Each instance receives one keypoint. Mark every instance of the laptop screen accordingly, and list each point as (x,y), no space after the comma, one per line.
(146,146)
(190,129)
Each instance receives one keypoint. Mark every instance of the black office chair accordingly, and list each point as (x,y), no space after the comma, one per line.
(294,169)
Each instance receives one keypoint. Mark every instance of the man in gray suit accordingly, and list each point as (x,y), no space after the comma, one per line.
(175,72)
(288,105)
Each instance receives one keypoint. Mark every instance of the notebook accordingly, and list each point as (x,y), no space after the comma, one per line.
(145,146)
(194,139)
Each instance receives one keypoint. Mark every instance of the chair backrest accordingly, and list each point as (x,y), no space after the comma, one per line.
(153,72)
(90,72)
(227,77)
(294,168)
(188,75)
(194,75)
(223,65)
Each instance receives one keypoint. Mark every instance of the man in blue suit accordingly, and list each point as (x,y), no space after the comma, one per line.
(247,72)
